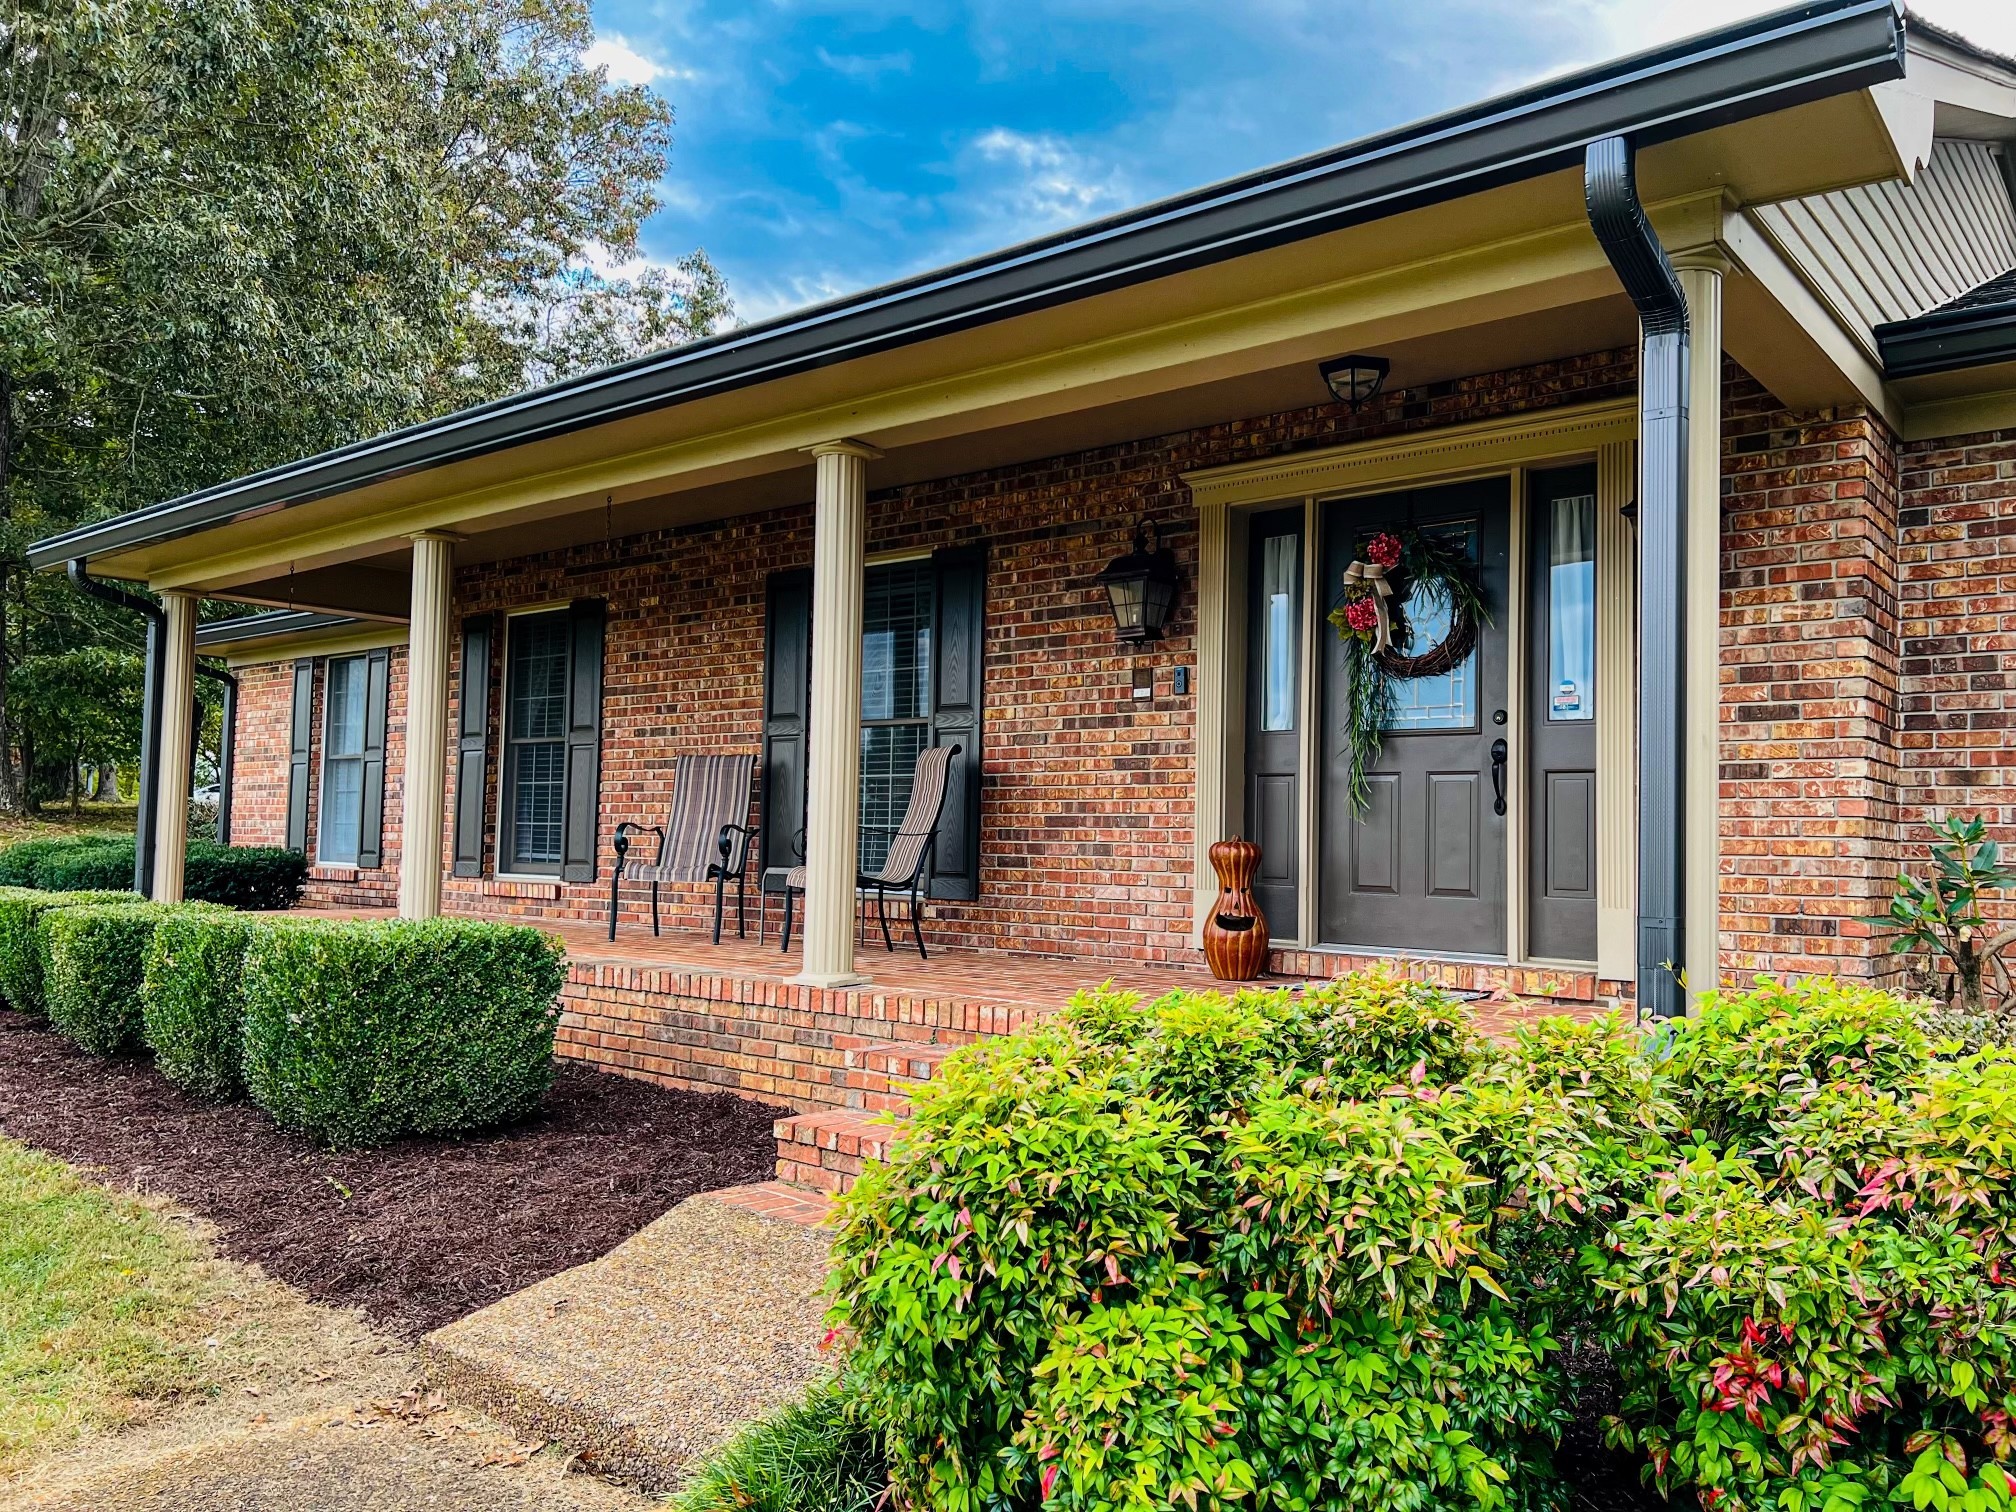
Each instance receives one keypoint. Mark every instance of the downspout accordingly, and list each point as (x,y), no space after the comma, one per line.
(227,742)
(147,827)
(1610,186)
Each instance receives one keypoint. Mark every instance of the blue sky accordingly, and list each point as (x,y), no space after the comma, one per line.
(826,145)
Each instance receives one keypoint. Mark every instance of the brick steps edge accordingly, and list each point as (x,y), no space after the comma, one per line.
(825,1151)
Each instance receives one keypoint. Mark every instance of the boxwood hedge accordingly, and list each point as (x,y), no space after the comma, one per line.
(193,1000)
(96,955)
(240,876)
(23,953)
(359,1033)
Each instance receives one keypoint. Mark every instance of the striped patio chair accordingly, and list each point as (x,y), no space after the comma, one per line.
(911,846)
(706,839)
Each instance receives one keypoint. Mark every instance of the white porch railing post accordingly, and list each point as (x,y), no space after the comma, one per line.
(178,744)
(832,804)
(426,726)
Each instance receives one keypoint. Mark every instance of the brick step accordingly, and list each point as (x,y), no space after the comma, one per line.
(825,1150)
(881,1074)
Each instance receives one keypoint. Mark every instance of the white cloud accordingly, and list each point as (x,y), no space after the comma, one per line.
(1630,24)
(626,65)
(1052,181)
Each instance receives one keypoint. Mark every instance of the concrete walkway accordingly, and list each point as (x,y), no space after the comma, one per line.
(653,1354)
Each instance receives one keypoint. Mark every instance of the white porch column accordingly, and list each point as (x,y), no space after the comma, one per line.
(833,759)
(1701,275)
(426,726)
(178,744)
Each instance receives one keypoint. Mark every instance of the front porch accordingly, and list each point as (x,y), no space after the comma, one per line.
(735,1017)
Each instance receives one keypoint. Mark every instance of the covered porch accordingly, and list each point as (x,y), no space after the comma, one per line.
(497,632)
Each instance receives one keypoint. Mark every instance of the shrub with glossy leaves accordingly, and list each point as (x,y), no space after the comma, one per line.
(1246,1251)
(96,957)
(1814,1305)
(359,1033)
(256,877)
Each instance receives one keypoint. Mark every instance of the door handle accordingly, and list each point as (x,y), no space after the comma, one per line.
(1499,751)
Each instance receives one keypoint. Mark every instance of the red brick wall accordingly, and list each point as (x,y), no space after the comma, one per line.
(1810,684)
(1086,805)
(1959,611)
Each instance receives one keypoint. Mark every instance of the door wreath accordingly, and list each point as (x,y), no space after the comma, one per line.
(1372,622)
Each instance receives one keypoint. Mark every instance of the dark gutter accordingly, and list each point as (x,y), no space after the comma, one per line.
(1765,64)
(147,817)
(1946,340)
(1619,221)
(245,627)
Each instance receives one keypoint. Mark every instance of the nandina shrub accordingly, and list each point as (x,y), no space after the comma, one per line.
(1814,1303)
(193,1000)
(360,1033)
(96,957)
(23,951)
(1274,1250)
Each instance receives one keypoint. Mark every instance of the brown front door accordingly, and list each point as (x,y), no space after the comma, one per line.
(1423,868)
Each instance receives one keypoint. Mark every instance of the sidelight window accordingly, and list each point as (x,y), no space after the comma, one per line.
(1280,589)
(1571,609)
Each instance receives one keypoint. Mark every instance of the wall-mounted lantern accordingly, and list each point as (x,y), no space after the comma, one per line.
(1357,379)
(1142,587)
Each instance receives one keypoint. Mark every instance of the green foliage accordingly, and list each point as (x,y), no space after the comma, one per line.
(812,1456)
(96,956)
(1268,1250)
(193,1001)
(359,1033)
(23,952)
(256,877)
(1814,1303)
(1942,917)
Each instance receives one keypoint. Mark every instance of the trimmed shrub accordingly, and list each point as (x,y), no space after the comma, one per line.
(193,1001)
(21,865)
(255,877)
(1273,1250)
(96,956)
(23,953)
(359,1033)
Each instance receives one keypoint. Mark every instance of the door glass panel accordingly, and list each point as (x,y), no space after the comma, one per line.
(1448,701)
(1280,585)
(1571,609)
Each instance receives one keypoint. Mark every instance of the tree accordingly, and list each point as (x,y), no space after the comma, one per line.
(234,232)
(77,706)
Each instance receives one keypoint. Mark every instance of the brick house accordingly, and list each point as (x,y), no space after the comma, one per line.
(1705,359)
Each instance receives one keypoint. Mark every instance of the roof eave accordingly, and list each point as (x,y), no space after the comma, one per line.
(1768,64)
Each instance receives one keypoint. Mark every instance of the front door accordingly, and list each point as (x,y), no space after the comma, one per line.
(1423,866)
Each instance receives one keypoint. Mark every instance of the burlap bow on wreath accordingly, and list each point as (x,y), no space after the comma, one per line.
(1365,583)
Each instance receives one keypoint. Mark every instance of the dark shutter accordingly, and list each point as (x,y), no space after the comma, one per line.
(299,755)
(583,800)
(371,824)
(472,743)
(960,610)
(787,696)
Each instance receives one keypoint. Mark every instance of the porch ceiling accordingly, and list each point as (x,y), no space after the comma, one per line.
(1502,273)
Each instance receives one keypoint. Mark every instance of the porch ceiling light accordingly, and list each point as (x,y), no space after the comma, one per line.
(1142,587)
(1356,379)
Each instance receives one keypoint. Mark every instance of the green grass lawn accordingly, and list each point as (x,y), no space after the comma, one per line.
(100,1304)
(56,819)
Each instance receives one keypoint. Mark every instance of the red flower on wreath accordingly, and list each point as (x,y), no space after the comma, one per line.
(1384,550)
(1362,615)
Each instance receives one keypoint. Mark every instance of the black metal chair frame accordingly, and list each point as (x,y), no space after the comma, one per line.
(718,872)
(882,886)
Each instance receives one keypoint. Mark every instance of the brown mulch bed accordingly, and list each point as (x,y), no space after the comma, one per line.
(417,1233)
